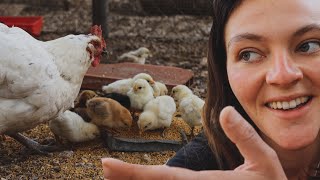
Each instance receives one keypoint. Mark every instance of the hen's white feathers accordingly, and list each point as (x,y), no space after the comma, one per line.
(38,80)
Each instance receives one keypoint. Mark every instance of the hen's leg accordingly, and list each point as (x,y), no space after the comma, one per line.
(31,144)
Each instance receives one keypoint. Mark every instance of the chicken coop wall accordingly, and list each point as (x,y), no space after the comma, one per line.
(164,7)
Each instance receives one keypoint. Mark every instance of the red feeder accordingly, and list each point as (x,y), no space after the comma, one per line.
(31,24)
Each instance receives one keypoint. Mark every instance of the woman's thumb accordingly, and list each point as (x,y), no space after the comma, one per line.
(240,132)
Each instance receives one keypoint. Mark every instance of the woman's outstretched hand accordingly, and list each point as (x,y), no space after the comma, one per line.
(261,161)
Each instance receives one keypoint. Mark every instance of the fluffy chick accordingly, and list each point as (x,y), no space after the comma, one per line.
(83,97)
(106,112)
(123,86)
(189,105)
(137,56)
(72,127)
(80,103)
(159,89)
(140,94)
(157,113)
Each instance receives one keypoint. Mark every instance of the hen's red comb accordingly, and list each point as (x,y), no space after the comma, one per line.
(96,30)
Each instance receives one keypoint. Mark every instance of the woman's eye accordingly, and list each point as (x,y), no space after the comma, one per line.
(249,56)
(309,47)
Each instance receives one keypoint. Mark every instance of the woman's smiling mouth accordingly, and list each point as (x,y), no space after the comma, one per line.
(288,105)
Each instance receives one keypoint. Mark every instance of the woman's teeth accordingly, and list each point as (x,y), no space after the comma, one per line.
(284,105)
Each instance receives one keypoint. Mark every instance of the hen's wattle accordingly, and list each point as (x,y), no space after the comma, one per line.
(97,31)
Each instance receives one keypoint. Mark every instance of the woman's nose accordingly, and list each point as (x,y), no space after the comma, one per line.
(283,72)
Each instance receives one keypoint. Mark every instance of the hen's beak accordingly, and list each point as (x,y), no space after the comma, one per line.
(105,53)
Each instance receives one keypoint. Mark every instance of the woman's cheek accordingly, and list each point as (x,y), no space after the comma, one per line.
(239,83)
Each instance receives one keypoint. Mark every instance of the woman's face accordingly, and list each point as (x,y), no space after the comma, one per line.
(273,65)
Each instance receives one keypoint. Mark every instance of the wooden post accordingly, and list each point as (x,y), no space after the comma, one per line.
(99,15)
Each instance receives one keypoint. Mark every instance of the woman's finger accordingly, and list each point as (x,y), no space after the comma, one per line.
(243,135)
(254,150)
(116,169)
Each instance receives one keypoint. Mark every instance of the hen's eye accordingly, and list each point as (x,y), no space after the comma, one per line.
(309,47)
(249,56)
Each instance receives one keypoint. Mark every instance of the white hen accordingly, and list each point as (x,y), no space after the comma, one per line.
(72,127)
(40,80)
(123,86)
(189,105)
(137,56)
(157,113)
(140,93)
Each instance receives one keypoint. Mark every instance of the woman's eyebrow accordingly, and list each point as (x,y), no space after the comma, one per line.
(245,36)
(305,29)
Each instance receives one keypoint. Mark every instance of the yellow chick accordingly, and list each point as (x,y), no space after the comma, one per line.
(72,127)
(163,88)
(123,86)
(137,56)
(189,105)
(140,93)
(157,113)
(159,89)
(106,112)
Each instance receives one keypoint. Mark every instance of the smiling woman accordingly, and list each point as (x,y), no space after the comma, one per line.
(263,60)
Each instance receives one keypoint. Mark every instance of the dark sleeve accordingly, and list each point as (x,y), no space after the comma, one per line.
(195,155)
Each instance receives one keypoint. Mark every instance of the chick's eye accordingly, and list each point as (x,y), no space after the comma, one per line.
(145,126)
(309,47)
(140,87)
(250,56)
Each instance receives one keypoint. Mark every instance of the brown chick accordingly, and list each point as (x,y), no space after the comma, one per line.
(80,104)
(83,97)
(106,112)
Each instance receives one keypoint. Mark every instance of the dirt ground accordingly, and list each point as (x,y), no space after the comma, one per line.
(178,40)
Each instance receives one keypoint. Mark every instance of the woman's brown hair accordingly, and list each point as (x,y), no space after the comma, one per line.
(219,93)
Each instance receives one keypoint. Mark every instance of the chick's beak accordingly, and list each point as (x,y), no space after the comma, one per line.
(135,88)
